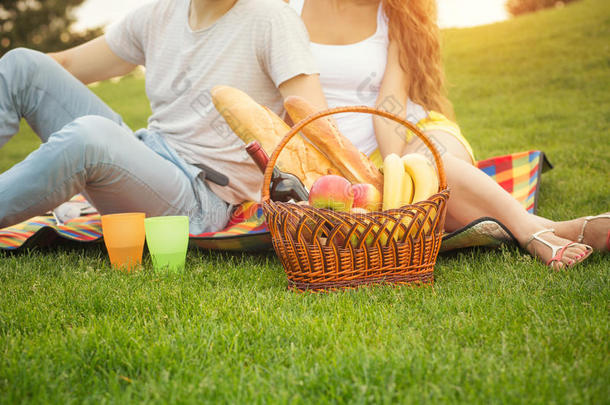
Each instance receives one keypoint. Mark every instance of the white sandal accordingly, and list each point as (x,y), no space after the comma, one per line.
(557,251)
(581,237)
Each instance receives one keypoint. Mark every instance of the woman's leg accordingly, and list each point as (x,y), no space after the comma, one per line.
(117,171)
(475,195)
(35,87)
(596,232)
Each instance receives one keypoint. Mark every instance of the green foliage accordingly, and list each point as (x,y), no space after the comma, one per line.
(44,25)
(496,328)
(518,7)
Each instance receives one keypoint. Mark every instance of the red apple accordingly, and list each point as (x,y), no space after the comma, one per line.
(366,196)
(332,191)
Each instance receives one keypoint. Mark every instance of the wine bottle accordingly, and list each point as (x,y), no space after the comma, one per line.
(283,186)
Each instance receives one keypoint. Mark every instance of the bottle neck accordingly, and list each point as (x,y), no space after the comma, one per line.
(284,186)
(257,153)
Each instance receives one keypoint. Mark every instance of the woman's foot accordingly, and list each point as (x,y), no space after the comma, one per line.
(593,231)
(557,253)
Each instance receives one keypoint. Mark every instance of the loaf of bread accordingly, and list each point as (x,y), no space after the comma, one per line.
(251,121)
(324,134)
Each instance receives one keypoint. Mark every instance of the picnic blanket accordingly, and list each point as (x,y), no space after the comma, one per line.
(517,173)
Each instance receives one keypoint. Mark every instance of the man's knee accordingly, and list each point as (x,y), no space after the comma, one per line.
(89,134)
(22,59)
(23,67)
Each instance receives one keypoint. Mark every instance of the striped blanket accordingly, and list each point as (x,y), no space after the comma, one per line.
(518,173)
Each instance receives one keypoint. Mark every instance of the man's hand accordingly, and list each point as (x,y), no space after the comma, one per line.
(93,61)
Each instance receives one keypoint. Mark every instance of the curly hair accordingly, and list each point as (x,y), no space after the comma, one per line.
(412,24)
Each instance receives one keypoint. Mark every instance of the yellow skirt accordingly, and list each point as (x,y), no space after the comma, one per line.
(434,122)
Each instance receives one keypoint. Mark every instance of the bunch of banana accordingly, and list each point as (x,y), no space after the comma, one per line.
(407,180)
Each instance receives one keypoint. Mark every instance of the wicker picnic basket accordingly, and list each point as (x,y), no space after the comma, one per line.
(321,249)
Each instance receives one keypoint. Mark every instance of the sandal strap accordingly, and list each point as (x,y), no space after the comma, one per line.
(557,251)
(558,255)
(581,237)
(536,236)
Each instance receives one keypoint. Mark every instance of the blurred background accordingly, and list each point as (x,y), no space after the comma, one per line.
(52,25)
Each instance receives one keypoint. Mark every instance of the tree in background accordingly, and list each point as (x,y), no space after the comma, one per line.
(518,7)
(40,24)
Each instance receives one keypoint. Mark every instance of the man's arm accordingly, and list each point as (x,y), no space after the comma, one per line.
(306,86)
(93,61)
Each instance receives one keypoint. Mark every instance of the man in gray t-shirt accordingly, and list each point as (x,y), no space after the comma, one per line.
(187,47)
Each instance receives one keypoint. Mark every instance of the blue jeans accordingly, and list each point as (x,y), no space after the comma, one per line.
(86,148)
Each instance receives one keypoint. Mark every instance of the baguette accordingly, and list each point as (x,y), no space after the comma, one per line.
(323,133)
(250,121)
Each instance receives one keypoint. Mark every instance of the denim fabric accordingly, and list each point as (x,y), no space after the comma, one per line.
(88,149)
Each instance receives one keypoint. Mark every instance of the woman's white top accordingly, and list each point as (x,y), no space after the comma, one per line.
(351,75)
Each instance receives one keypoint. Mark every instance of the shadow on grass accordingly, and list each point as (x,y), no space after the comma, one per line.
(58,246)
(61,245)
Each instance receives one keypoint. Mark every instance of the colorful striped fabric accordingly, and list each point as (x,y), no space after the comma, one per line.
(43,231)
(246,231)
(518,173)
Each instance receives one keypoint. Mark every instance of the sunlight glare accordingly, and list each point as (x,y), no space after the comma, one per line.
(452,13)
(468,13)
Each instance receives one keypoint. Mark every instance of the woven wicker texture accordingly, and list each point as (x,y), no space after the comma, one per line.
(322,249)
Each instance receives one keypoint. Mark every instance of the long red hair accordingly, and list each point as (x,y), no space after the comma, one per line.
(413,26)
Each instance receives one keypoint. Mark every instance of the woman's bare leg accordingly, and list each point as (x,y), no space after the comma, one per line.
(595,232)
(474,195)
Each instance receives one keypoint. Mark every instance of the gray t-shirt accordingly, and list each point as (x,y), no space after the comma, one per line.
(255,46)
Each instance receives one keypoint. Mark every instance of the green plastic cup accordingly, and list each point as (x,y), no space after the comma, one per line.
(167,239)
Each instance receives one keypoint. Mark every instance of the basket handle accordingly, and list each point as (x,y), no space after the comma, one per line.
(337,110)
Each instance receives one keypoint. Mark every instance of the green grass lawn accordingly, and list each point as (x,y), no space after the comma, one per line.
(497,327)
